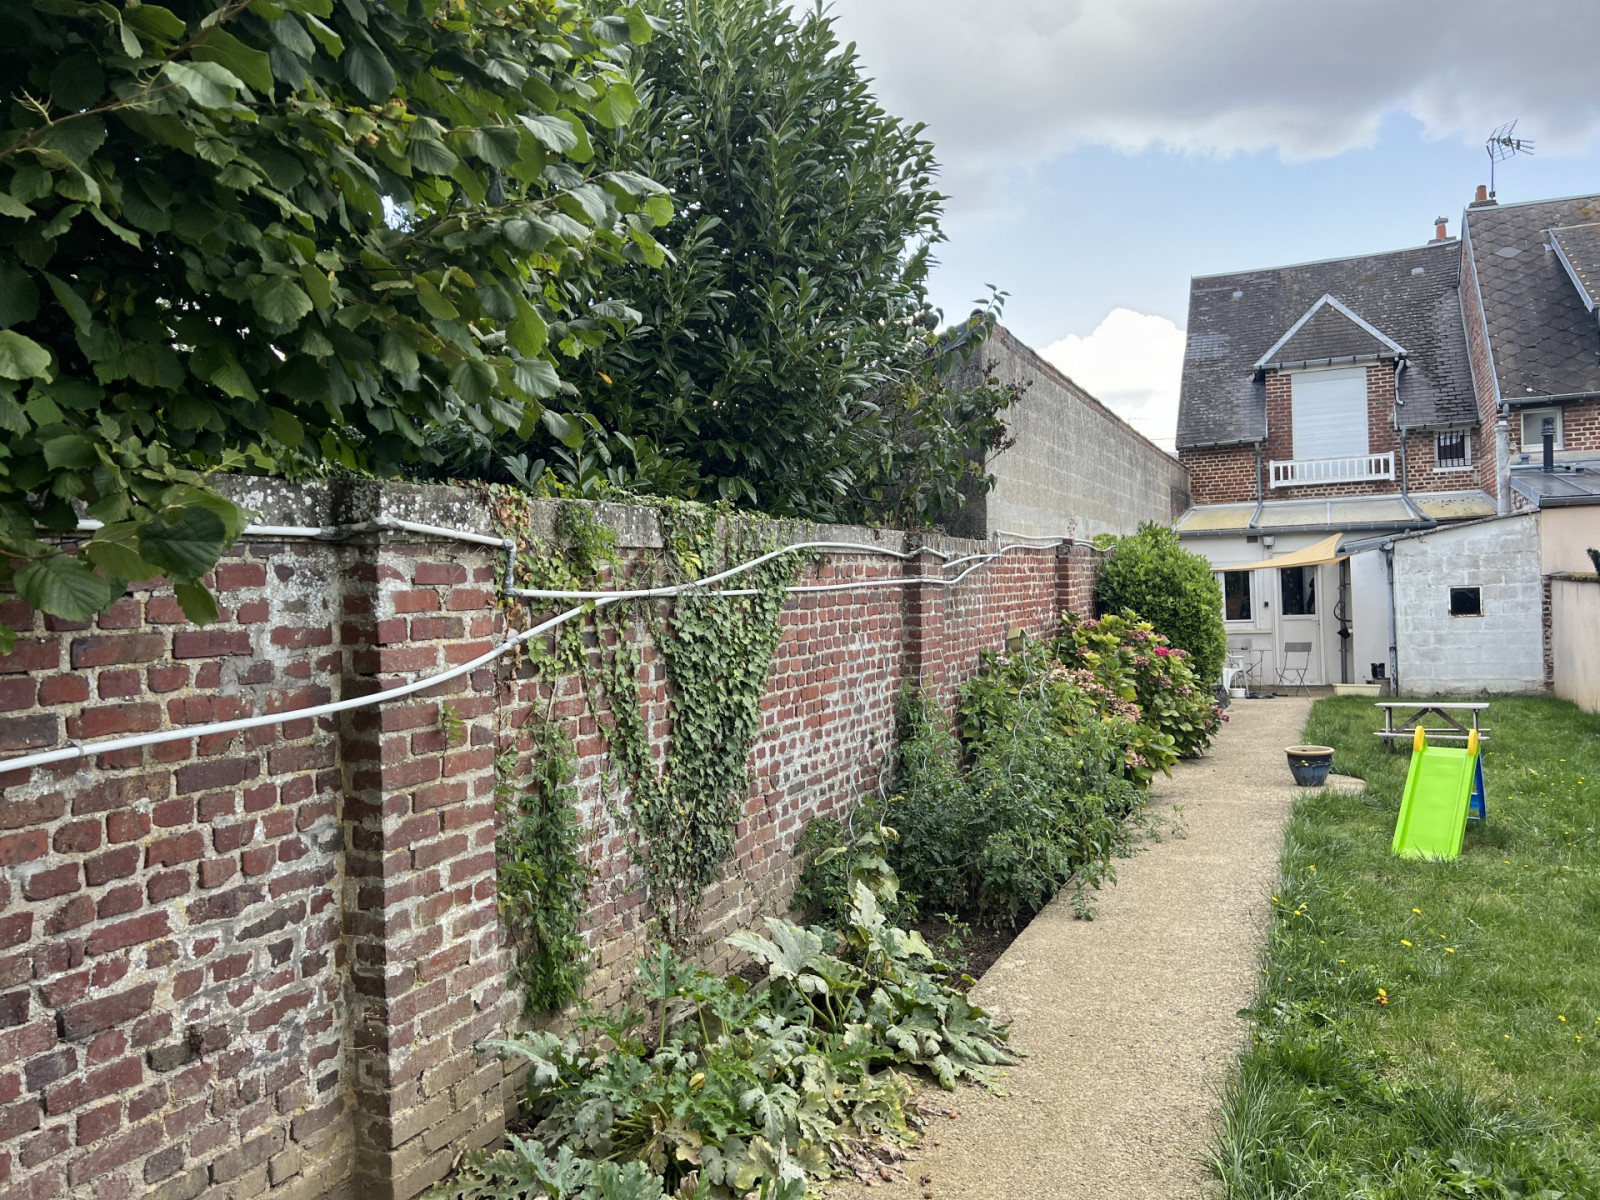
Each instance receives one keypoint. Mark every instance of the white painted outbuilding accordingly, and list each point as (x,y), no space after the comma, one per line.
(1469,608)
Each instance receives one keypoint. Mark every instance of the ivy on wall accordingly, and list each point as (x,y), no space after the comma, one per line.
(542,879)
(717,653)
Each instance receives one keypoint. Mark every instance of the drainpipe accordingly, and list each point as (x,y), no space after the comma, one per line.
(1502,463)
(1261,497)
(1394,651)
(1405,462)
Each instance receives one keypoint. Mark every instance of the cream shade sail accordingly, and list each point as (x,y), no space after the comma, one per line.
(1325,551)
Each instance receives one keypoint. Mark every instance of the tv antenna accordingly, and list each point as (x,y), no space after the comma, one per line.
(1503,144)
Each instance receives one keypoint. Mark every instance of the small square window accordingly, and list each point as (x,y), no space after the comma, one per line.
(1533,420)
(1453,450)
(1466,602)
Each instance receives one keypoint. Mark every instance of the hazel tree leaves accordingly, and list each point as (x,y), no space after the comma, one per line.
(279,236)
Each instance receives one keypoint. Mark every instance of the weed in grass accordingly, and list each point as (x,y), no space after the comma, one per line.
(1420,1029)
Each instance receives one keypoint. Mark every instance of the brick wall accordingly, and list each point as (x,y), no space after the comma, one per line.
(1227,474)
(1222,474)
(258,964)
(1422,448)
(1580,430)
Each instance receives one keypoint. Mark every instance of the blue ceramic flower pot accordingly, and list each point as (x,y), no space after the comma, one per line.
(1310,764)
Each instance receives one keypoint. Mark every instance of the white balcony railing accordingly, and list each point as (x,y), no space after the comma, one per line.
(1297,472)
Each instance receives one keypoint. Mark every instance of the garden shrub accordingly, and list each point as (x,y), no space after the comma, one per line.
(1051,799)
(1057,739)
(994,826)
(722,1089)
(1151,574)
(1121,661)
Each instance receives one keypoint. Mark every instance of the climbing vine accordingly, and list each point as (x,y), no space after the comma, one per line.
(542,879)
(716,652)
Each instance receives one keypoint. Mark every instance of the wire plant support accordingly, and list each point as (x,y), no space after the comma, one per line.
(587,600)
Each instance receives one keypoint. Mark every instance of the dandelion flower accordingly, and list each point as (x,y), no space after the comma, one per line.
(1403,942)
(1561,1018)
(1449,949)
(1418,911)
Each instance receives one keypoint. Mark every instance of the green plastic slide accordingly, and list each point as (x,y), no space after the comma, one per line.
(1433,808)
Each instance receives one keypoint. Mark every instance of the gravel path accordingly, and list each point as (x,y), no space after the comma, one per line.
(1130,1020)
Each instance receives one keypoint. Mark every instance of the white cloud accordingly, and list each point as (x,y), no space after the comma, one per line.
(1004,83)
(1132,362)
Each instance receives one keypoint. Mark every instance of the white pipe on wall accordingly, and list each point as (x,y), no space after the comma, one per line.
(79,750)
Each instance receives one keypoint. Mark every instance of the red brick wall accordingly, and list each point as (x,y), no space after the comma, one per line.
(1421,450)
(1580,430)
(258,964)
(1221,474)
(1226,475)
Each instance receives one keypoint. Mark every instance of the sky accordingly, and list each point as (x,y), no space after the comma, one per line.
(1098,153)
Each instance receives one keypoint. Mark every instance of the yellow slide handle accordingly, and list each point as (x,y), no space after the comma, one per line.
(1472,741)
(1420,740)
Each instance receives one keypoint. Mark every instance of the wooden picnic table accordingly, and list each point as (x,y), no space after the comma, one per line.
(1407,728)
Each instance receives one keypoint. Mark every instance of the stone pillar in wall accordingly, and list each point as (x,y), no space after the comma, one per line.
(1077,569)
(421,929)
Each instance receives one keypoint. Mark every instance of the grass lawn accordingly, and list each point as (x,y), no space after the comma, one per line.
(1431,1029)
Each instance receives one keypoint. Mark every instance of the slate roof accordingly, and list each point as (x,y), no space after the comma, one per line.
(1542,337)
(1329,333)
(1236,318)
(1579,248)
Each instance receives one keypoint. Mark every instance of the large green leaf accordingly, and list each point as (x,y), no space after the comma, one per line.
(207,84)
(22,358)
(473,380)
(63,585)
(197,602)
(367,68)
(281,300)
(184,542)
(19,296)
(254,67)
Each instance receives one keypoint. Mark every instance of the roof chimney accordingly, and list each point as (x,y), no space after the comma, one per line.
(1440,231)
(1482,198)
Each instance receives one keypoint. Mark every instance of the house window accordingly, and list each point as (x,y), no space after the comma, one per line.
(1466,602)
(1236,595)
(1452,450)
(1330,413)
(1533,428)
(1299,591)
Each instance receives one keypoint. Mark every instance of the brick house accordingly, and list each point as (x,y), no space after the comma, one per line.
(1328,407)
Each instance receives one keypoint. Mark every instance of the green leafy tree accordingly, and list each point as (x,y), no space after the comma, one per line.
(284,235)
(785,359)
(1150,574)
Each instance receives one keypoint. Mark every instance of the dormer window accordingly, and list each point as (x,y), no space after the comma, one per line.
(1330,413)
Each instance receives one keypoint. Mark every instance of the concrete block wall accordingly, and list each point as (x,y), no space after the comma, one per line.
(1501,651)
(1075,468)
(259,964)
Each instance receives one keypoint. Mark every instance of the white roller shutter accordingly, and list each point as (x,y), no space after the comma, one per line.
(1330,413)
